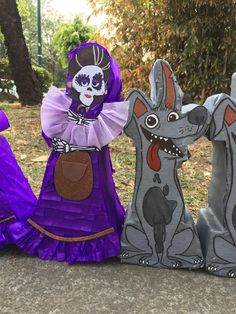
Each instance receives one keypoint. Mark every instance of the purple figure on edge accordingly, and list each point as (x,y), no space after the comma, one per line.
(79,215)
(17,200)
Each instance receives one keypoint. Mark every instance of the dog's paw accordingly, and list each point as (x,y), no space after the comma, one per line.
(176,264)
(148,260)
(232,273)
(212,268)
(124,254)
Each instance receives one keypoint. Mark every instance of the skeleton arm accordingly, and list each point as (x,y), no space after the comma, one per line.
(62,146)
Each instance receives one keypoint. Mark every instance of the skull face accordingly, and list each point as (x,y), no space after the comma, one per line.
(89,82)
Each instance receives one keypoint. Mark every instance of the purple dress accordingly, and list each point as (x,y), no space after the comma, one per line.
(87,230)
(17,201)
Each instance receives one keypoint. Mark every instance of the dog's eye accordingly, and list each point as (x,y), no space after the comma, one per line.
(151,121)
(172,116)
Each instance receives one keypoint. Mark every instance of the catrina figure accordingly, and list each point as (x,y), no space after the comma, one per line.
(79,215)
(17,201)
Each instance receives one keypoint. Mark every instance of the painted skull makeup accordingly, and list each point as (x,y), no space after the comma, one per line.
(88,73)
(89,82)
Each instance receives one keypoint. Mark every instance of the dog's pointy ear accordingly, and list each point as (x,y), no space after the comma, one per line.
(230,115)
(170,99)
(139,103)
(165,90)
(139,108)
(222,109)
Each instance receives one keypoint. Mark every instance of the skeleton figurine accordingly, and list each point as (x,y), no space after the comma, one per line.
(158,229)
(79,215)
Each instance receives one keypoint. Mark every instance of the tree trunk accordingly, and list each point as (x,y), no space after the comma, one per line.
(27,85)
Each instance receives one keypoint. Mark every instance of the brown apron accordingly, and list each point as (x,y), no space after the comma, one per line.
(73,176)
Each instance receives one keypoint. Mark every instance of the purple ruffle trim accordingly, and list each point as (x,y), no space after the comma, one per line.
(35,243)
(5,237)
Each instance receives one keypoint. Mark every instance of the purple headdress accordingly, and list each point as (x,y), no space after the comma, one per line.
(114,83)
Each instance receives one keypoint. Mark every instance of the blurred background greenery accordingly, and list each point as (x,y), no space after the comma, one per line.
(197,37)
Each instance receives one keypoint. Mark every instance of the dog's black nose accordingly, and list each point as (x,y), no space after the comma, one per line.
(198,115)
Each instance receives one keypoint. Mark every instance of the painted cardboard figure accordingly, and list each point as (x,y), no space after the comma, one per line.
(158,229)
(79,215)
(17,201)
(217,223)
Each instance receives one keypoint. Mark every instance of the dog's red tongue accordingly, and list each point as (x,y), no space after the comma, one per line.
(153,159)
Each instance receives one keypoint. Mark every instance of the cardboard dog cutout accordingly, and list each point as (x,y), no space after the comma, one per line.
(217,223)
(158,229)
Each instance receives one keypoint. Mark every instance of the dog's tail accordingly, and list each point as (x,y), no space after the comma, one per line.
(159,236)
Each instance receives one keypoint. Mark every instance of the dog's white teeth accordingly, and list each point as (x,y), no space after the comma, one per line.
(155,136)
(173,146)
(151,140)
(165,150)
(152,134)
(161,137)
(169,152)
(177,149)
(166,139)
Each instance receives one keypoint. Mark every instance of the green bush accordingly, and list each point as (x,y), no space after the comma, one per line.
(6,82)
(44,77)
(5,72)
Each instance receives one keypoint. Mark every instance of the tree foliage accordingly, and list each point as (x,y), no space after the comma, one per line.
(203,44)
(27,11)
(44,77)
(58,37)
(27,85)
(135,31)
(50,22)
(5,75)
(196,37)
(69,35)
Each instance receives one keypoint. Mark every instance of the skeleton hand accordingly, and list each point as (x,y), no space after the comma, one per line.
(62,146)
(79,118)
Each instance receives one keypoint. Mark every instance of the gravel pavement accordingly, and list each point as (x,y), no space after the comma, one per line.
(30,285)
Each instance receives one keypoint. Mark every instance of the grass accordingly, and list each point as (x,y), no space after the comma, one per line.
(32,152)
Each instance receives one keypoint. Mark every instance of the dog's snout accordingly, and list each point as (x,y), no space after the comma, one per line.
(198,116)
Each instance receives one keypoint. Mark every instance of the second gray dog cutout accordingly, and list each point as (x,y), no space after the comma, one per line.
(217,223)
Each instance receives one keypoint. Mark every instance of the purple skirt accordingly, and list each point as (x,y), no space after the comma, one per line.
(74,231)
(17,201)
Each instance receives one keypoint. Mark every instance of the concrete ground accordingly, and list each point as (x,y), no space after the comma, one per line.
(30,285)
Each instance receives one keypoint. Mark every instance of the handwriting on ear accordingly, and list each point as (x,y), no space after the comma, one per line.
(170,87)
(139,108)
(230,115)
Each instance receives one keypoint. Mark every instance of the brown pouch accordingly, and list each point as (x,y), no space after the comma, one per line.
(73,176)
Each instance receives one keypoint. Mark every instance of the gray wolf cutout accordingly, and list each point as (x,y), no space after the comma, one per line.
(217,223)
(158,229)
